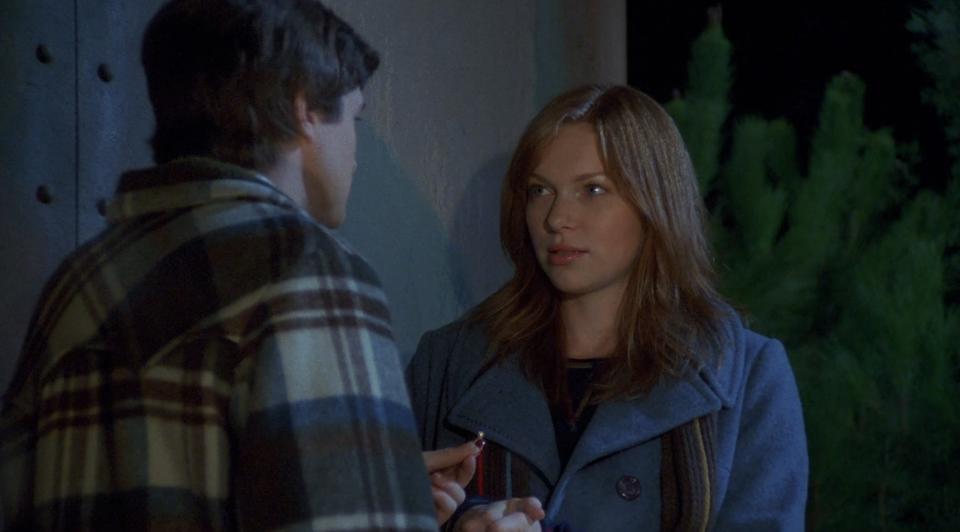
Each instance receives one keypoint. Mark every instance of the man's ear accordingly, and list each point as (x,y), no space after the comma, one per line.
(306,119)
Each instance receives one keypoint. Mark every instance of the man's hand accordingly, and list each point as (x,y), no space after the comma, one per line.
(513,515)
(450,469)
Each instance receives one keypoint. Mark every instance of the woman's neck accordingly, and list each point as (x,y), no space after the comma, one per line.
(590,324)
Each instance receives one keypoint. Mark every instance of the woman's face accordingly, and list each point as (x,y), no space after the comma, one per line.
(585,235)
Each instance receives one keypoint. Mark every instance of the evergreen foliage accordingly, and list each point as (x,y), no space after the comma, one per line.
(847,263)
(705,110)
(938,51)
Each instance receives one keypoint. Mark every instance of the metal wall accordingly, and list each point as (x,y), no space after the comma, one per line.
(457,84)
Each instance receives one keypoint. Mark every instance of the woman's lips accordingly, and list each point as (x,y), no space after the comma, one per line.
(563,255)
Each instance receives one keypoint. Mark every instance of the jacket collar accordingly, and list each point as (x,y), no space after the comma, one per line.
(622,424)
(189,182)
(513,412)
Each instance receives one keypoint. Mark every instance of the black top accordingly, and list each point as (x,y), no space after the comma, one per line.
(571,417)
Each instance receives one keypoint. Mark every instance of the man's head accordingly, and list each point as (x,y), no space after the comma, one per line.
(244,80)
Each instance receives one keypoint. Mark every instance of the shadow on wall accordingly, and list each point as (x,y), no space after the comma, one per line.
(477,261)
(397,230)
(551,35)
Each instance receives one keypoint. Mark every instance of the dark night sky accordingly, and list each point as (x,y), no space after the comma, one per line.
(785,52)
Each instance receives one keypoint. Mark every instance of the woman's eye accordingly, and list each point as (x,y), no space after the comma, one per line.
(537,190)
(595,190)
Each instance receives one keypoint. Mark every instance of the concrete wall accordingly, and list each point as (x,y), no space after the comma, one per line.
(458,82)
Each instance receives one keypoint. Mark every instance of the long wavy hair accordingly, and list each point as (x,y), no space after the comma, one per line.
(670,314)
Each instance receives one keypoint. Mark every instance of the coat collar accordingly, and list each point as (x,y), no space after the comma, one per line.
(189,182)
(513,412)
(622,424)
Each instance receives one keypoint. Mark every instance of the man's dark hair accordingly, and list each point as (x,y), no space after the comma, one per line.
(223,75)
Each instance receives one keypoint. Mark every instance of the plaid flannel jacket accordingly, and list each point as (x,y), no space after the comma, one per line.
(215,360)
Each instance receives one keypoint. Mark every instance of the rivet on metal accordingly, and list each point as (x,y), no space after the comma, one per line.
(43,195)
(104,73)
(44,55)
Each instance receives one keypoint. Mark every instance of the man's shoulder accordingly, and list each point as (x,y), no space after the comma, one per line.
(326,253)
(265,232)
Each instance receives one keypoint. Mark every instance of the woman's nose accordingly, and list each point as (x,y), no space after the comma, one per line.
(562,214)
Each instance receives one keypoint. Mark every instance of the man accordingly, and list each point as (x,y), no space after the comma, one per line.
(216,359)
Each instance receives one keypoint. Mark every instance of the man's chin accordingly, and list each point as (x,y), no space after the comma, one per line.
(331,222)
(332,218)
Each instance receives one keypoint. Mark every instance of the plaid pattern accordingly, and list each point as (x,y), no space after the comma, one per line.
(213,360)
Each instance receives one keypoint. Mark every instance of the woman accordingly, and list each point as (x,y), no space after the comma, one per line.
(611,380)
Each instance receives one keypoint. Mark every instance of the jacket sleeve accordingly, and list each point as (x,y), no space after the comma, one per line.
(424,384)
(326,438)
(18,455)
(767,489)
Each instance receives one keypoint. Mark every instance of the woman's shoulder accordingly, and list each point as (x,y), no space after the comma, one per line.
(738,342)
(447,358)
(460,344)
(745,356)
(462,333)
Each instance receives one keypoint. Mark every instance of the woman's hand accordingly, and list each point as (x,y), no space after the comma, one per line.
(450,471)
(512,515)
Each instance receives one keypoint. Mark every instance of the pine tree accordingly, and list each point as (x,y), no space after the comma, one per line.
(938,51)
(847,264)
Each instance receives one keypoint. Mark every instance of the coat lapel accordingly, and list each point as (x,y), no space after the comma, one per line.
(622,424)
(512,412)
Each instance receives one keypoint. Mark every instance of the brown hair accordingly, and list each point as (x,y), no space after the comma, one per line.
(670,310)
(223,75)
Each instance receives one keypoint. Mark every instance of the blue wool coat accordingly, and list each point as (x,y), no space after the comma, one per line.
(760,447)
